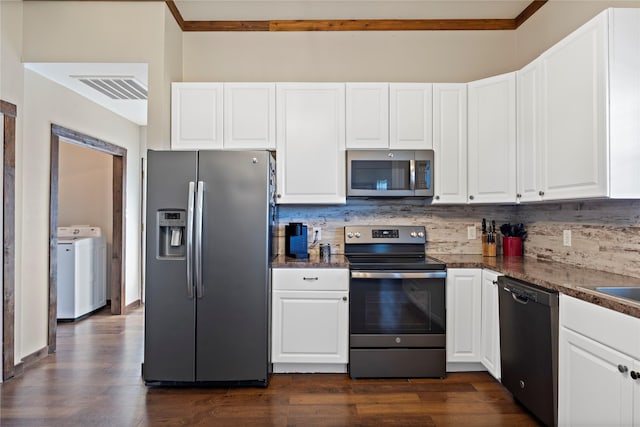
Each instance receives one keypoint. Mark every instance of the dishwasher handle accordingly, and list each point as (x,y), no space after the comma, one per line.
(517,297)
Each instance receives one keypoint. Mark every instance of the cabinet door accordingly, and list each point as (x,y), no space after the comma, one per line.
(410,118)
(464,298)
(311,143)
(591,388)
(574,126)
(250,116)
(196,116)
(367,115)
(490,324)
(529,182)
(450,143)
(492,140)
(310,327)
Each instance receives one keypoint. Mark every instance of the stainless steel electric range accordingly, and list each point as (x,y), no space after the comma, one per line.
(397,304)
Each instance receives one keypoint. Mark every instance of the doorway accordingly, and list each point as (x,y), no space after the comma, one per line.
(116,267)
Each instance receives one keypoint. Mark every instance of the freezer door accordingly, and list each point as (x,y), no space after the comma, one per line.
(169,337)
(232,313)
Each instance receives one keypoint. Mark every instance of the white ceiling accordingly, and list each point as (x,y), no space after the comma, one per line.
(250,10)
(61,73)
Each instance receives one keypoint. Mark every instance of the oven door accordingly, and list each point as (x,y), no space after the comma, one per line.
(397,308)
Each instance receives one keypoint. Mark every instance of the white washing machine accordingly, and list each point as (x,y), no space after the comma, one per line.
(82,273)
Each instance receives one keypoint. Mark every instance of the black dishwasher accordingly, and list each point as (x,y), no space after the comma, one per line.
(529,346)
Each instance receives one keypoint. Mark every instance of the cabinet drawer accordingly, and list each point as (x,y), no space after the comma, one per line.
(310,279)
(616,330)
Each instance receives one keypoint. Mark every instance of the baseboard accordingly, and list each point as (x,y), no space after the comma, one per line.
(309,368)
(130,307)
(29,360)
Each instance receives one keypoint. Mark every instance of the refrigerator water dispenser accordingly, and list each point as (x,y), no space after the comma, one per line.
(171,234)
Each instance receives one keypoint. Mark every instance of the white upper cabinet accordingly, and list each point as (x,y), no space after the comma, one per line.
(529,182)
(590,113)
(311,143)
(196,116)
(410,116)
(367,115)
(450,143)
(492,140)
(250,116)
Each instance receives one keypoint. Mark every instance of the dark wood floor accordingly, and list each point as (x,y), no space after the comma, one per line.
(94,380)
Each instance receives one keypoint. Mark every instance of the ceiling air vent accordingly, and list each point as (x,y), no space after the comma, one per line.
(116,87)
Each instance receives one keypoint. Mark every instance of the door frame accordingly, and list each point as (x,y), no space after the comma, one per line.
(117,284)
(9,113)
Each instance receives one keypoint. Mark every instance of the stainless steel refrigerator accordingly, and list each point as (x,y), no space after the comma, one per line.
(208,251)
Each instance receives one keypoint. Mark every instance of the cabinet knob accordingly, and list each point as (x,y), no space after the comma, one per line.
(437,197)
(519,196)
(495,282)
(345,298)
(278,195)
(470,197)
(635,375)
(541,193)
(622,369)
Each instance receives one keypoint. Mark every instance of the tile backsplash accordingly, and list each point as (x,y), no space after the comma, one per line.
(605,234)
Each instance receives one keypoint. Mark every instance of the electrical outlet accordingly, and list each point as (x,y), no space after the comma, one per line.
(471,232)
(317,233)
(566,237)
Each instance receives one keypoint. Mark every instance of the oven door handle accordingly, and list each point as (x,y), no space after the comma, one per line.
(362,274)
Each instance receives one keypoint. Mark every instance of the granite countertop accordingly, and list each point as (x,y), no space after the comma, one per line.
(335,261)
(574,281)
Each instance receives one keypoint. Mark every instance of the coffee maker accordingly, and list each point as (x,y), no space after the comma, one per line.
(295,240)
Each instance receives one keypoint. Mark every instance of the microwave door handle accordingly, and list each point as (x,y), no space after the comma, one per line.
(412,175)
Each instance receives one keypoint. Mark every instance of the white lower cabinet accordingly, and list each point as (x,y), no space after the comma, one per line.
(599,352)
(490,324)
(464,300)
(310,320)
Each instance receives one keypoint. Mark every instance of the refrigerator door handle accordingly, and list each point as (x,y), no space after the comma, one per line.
(198,238)
(190,206)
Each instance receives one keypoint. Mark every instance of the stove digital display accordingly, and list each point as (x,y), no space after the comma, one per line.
(385,234)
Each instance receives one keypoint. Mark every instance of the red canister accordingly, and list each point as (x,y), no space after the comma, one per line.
(511,246)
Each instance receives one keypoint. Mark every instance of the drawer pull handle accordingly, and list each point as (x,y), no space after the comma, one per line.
(310,279)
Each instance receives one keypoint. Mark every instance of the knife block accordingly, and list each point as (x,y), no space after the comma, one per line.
(488,249)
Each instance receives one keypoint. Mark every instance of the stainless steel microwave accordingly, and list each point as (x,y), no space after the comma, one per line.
(390,173)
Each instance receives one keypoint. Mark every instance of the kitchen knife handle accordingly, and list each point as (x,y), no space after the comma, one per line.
(191,201)
(198,236)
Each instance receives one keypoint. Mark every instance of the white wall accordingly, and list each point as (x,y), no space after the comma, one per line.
(85,192)
(11,90)
(419,56)
(105,32)
(47,103)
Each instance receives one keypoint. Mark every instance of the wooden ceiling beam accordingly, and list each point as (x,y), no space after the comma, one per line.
(355,24)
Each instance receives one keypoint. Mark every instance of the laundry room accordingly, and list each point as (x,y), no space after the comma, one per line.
(85,219)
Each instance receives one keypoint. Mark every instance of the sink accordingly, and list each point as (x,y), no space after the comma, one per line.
(628,293)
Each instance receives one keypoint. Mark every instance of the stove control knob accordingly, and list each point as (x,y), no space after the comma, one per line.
(357,234)
(420,234)
(413,234)
(350,235)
